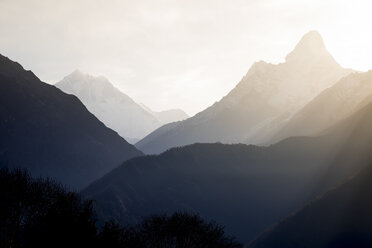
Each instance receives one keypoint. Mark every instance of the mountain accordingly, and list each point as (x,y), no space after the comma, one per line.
(267,94)
(329,107)
(114,108)
(52,133)
(232,184)
(167,116)
(245,188)
(340,218)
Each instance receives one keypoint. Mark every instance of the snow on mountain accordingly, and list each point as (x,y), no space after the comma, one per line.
(114,108)
(52,134)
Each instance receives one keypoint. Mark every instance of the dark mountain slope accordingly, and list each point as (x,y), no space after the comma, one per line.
(245,188)
(218,181)
(339,219)
(52,133)
(342,217)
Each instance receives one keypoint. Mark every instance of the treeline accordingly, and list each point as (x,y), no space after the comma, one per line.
(43,213)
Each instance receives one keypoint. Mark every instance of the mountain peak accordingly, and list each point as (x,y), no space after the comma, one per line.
(310,46)
(80,77)
(76,75)
(312,37)
(77,72)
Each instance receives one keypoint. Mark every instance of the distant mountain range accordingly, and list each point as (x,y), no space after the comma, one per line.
(52,133)
(114,108)
(266,97)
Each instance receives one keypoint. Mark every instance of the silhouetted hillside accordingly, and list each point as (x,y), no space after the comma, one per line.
(42,213)
(237,185)
(52,133)
(342,218)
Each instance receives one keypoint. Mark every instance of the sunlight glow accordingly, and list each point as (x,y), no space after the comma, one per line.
(137,43)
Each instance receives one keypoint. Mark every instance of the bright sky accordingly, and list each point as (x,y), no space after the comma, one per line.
(176,53)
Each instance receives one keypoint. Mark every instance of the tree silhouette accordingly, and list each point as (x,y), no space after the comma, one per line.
(42,213)
(180,230)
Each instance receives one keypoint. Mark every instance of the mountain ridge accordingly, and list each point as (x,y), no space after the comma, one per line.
(113,107)
(267,93)
(346,209)
(52,133)
(330,106)
(167,116)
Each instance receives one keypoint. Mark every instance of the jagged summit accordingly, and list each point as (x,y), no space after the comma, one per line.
(266,96)
(312,38)
(310,47)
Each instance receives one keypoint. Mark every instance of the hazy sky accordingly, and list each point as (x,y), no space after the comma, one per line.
(173,53)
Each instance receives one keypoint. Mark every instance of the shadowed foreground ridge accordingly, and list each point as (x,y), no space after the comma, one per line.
(341,218)
(42,213)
